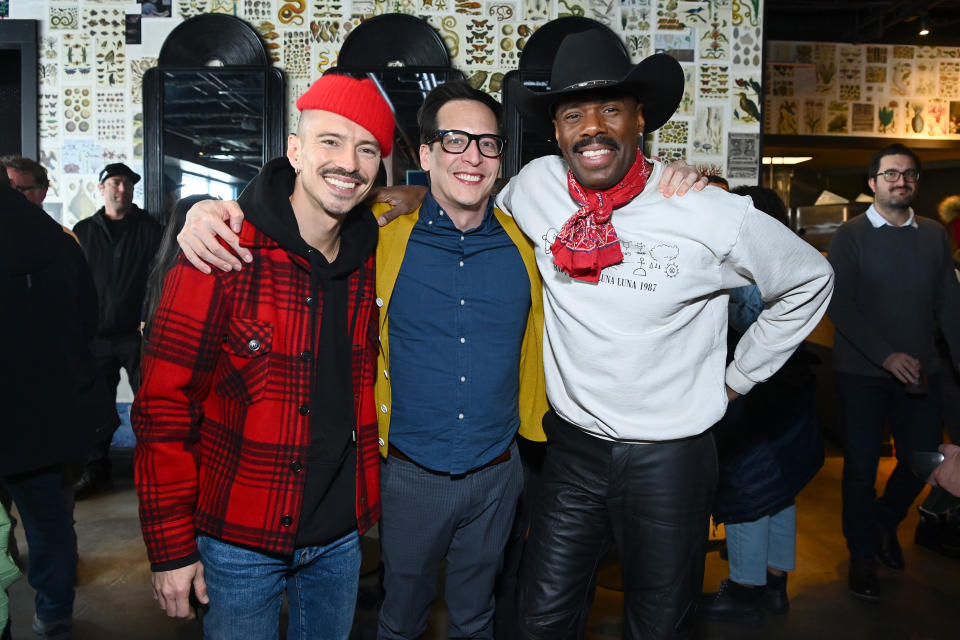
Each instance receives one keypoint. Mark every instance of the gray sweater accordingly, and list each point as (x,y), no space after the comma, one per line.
(894,286)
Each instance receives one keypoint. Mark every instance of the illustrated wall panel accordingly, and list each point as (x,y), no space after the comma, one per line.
(836,89)
(93,54)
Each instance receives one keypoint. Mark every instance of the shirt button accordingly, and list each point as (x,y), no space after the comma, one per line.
(429,221)
(305,356)
(463,378)
(296,466)
(462,340)
(379,302)
(308,301)
(461,238)
(461,263)
(460,416)
(253,345)
(286,521)
(383,408)
(304,409)
(380,441)
(462,302)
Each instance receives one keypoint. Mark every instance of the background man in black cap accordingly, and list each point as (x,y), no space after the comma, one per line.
(119,241)
(634,348)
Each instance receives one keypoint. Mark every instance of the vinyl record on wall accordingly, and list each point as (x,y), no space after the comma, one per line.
(393,40)
(213,39)
(542,46)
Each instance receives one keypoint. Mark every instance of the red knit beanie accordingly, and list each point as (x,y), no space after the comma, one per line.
(356,100)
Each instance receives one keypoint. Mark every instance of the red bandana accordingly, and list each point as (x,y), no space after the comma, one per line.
(588,243)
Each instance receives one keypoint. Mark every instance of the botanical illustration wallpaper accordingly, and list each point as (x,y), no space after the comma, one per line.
(93,54)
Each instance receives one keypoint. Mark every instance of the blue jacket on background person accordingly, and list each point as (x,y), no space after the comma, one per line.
(768,443)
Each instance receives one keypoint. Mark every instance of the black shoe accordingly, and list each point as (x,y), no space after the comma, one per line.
(774,597)
(92,483)
(733,603)
(889,553)
(59,630)
(937,534)
(863,579)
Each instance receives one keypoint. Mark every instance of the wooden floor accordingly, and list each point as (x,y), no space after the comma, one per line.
(923,603)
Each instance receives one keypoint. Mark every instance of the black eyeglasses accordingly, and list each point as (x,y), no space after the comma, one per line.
(892,175)
(456,141)
(22,189)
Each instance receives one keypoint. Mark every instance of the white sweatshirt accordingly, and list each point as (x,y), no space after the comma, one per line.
(639,357)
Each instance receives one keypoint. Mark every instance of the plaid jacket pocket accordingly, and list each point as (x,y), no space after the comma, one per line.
(245,361)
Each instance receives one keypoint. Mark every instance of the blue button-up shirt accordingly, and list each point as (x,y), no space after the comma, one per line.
(457,318)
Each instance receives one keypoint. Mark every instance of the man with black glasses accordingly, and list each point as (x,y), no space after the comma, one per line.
(461,335)
(894,285)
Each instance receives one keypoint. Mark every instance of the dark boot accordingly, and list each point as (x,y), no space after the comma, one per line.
(93,481)
(863,578)
(889,553)
(734,603)
(774,598)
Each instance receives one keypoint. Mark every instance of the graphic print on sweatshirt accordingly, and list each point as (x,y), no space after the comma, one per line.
(644,267)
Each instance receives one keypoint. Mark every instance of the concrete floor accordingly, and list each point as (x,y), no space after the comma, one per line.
(114,598)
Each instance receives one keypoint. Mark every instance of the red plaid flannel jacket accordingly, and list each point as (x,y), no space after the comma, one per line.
(217,417)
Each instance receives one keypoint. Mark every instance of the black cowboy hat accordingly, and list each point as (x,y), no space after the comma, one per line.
(590,61)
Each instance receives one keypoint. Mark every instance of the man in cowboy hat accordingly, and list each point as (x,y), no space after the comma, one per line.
(634,353)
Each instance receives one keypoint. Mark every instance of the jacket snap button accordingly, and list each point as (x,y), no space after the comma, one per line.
(286,521)
(253,345)
(304,409)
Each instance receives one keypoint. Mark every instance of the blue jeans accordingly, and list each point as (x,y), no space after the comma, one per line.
(246,590)
(770,541)
(47,518)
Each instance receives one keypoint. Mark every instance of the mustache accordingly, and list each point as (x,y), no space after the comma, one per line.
(337,171)
(599,139)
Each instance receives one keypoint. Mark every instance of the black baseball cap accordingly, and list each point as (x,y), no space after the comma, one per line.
(119,169)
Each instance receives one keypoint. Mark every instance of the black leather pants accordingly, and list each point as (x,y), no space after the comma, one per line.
(651,500)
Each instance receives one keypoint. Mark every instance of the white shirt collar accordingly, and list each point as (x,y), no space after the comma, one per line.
(878,220)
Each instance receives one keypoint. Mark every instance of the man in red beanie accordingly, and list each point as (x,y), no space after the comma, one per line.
(256,461)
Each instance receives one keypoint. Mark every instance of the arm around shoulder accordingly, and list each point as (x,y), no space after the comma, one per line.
(206,221)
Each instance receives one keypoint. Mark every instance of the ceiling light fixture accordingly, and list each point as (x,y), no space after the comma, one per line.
(786,159)
(924,26)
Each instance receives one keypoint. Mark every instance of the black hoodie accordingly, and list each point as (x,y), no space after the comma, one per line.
(328,510)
